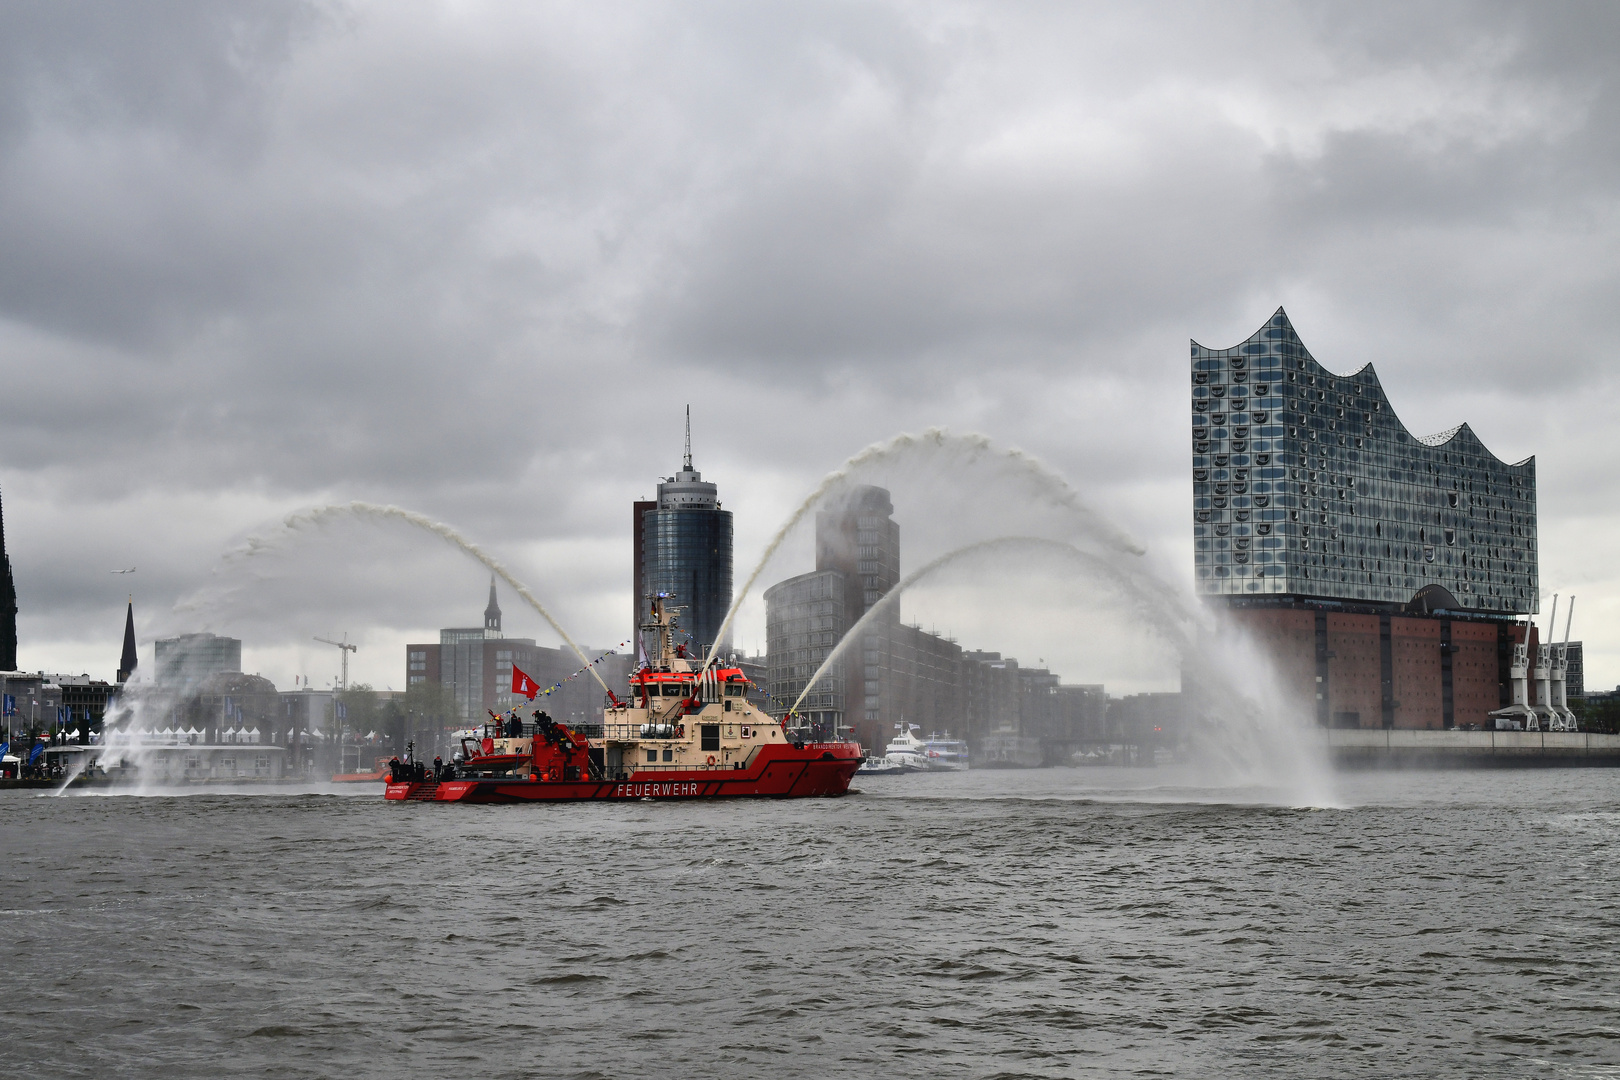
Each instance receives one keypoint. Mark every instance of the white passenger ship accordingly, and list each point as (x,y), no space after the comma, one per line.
(907,753)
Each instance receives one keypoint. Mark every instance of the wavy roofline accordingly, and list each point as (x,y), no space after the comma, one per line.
(1445,437)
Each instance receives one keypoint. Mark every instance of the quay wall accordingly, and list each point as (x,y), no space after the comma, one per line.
(1428,748)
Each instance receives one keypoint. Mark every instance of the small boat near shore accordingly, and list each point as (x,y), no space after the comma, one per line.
(882,766)
(378,774)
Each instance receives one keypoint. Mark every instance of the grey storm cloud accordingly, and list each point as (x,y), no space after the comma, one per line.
(472,259)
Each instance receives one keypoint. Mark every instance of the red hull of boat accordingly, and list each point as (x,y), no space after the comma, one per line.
(780,772)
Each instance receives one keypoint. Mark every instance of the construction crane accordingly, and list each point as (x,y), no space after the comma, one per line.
(346,649)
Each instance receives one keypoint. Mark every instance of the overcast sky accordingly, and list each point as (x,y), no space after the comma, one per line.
(472,259)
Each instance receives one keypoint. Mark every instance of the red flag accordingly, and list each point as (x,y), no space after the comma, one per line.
(522,684)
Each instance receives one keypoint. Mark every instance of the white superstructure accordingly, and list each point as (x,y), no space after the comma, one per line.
(941,753)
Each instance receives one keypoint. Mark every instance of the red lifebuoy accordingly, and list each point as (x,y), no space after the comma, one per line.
(711,759)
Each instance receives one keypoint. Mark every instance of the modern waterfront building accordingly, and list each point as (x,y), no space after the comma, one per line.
(805,618)
(183,663)
(84,702)
(475,663)
(1385,569)
(683,549)
(860,539)
(43,701)
(34,700)
(1306,483)
(857,563)
(993,693)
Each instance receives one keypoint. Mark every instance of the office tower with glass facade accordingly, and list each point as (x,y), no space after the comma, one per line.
(901,674)
(685,551)
(1400,560)
(857,563)
(183,663)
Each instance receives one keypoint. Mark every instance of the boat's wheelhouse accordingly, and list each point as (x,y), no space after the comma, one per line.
(682,716)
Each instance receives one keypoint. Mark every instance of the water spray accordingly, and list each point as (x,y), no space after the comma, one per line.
(78,770)
(890,598)
(320,514)
(1242,717)
(1054,487)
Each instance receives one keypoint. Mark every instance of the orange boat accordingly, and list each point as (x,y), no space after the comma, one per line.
(688,732)
(377,775)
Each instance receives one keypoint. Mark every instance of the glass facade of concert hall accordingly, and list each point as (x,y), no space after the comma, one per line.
(1306,484)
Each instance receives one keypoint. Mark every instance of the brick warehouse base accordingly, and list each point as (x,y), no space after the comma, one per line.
(1384,667)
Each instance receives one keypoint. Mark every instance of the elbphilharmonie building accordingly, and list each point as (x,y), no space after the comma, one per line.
(1385,568)
(1307,483)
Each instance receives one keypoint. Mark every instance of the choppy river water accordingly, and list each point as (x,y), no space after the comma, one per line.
(1099,922)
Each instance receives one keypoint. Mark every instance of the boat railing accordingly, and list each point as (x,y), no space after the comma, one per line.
(525,730)
(673,767)
(668,732)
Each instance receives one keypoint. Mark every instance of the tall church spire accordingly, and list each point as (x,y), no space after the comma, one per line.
(492,614)
(126,665)
(8,607)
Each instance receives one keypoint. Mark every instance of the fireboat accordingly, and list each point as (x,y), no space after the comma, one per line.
(688,732)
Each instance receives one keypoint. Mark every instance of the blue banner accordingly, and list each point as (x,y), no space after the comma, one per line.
(39,748)
(5,748)
(10,705)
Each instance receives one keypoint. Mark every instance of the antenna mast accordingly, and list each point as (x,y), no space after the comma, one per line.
(689,438)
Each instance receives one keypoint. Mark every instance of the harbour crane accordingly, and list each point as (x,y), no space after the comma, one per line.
(346,649)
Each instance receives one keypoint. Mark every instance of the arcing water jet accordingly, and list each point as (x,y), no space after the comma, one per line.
(1052,486)
(1243,719)
(320,514)
(892,597)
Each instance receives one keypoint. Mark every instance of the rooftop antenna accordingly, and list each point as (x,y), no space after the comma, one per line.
(689,438)
(346,649)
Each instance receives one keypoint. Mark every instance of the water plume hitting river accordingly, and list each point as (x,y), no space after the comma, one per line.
(1244,725)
